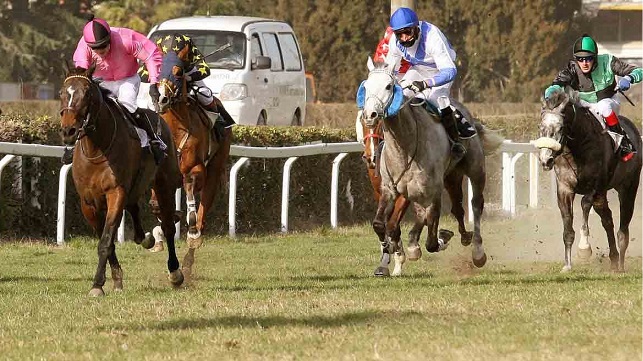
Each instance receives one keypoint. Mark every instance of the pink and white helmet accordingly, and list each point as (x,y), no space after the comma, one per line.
(96,33)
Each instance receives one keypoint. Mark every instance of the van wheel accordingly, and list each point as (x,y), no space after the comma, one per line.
(296,119)
(262,119)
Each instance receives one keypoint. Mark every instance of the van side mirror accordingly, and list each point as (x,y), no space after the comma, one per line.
(261,62)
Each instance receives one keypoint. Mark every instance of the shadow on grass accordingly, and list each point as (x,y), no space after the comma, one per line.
(344,319)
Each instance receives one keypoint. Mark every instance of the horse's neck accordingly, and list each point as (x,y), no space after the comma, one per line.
(403,130)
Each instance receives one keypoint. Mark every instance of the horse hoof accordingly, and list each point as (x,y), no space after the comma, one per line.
(194,233)
(176,278)
(148,241)
(445,234)
(566,269)
(465,238)
(480,262)
(194,243)
(413,253)
(96,292)
(158,247)
(584,253)
(382,272)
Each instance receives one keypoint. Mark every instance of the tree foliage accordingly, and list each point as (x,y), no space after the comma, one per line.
(507,50)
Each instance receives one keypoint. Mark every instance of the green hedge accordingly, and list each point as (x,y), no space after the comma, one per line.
(258,194)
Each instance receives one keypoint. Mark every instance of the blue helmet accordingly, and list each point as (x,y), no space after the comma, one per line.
(404,18)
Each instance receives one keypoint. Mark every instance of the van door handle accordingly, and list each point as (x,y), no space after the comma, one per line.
(265,80)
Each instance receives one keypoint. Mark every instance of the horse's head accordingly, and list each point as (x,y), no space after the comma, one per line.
(379,95)
(171,81)
(78,96)
(552,128)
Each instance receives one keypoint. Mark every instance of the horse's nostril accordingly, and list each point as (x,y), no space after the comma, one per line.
(373,115)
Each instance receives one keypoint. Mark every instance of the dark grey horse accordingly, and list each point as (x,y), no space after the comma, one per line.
(574,143)
(415,164)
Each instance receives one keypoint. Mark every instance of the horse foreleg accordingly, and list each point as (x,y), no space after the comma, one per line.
(602,208)
(565,205)
(584,247)
(190,183)
(106,249)
(393,223)
(384,210)
(414,251)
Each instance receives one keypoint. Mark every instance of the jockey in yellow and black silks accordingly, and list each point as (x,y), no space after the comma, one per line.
(195,69)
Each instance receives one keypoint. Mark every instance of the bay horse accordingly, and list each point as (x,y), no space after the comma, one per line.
(575,144)
(111,171)
(414,165)
(202,153)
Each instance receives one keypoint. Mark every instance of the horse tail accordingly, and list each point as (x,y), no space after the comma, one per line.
(491,140)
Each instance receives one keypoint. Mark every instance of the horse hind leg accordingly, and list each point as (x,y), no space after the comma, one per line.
(453,184)
(164,190)
(584,247)
(140,237)
(602,208)
(478,254)
(627,199)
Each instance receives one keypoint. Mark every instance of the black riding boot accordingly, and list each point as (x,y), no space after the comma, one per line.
(157,147)
(217,107)
(448,120)
(466,130)
(68,155)
(626,149)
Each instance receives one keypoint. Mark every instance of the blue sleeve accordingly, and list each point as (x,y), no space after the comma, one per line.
(443,77)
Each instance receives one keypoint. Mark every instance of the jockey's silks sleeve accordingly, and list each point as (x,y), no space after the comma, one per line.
(194,64)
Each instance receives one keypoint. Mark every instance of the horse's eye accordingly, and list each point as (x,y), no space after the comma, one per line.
(388,87)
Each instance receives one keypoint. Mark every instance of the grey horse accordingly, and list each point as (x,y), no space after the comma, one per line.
(573,143)
(415,163)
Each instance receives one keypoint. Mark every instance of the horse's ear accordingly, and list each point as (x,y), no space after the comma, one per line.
(66,66)
(91,69)
(369,64)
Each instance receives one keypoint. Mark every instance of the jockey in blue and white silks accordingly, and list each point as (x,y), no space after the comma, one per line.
(432,70)
(432,61)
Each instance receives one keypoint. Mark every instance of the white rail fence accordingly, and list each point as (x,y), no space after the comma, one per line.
(511,153)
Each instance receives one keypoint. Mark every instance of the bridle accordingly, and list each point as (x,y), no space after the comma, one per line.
(87,127)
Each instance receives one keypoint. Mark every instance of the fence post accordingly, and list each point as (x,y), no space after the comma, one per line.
(232,197)
(62,197)
(334,185)
(285,193)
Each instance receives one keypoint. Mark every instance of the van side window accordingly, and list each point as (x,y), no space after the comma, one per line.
(290,51)
(255,47)
(272,47)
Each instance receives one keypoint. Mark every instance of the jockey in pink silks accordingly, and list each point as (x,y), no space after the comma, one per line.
(116,52)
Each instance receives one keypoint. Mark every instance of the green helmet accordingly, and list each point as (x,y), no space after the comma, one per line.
(585,46)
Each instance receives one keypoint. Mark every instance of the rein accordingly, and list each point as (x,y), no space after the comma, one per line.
(408,164)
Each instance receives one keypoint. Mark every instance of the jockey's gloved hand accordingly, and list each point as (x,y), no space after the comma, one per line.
(154,93)
(624,83)
(418,86)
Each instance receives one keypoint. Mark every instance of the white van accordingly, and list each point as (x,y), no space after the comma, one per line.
(256,67)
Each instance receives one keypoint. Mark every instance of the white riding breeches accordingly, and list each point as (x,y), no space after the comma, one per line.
(125,90)
(608,105)
(203,99)
(431,94)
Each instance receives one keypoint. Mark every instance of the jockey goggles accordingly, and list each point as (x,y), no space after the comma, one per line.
(405,31)
(585,59)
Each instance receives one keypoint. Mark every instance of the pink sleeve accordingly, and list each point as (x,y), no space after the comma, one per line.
(82,55)
(146,51)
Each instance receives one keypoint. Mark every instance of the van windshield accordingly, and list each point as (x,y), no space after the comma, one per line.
(221,49)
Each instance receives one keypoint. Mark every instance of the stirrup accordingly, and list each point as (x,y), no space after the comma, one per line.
(157,151)
(458,151)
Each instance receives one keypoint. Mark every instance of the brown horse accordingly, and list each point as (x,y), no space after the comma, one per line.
(202,153)
(111,171)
